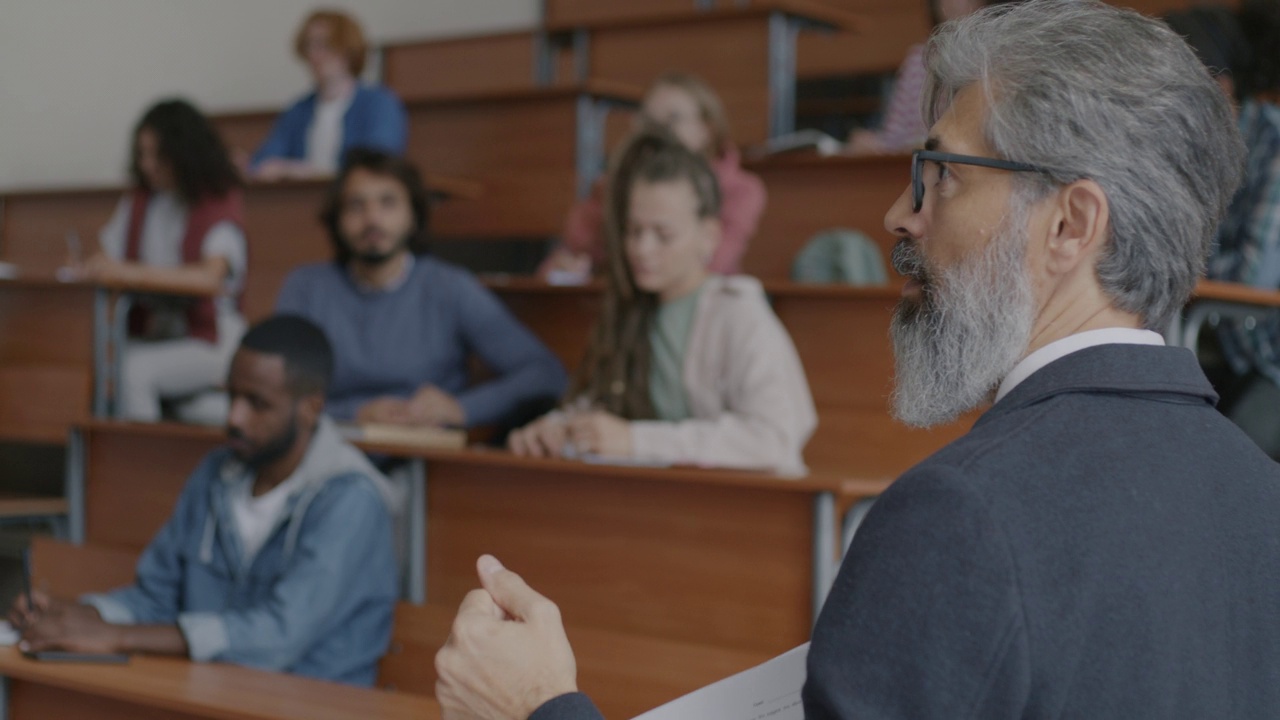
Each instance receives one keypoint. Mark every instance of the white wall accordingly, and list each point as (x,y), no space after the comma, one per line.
(76,74)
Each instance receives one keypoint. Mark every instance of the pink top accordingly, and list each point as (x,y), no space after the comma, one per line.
(742,200)
(903,126)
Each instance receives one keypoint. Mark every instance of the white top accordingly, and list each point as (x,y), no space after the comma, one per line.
(1074,343)
(324,135)
(256,517)
(162,232)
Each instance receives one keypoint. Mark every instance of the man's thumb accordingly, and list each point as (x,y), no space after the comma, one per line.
(508,589)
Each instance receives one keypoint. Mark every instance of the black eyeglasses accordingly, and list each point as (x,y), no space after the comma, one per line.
(919,157)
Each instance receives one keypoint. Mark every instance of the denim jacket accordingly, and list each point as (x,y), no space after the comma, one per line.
(376,119)
(317,599)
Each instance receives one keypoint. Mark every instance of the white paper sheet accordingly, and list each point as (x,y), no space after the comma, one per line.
(766,692)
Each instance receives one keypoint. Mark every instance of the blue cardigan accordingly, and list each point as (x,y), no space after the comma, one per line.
(376,119)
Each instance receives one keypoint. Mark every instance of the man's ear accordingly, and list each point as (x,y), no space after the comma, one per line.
(310,409)
(713,231)
(1078,229)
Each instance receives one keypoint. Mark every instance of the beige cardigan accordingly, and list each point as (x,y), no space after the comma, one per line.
(745,385)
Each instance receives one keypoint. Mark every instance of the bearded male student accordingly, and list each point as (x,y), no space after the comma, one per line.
(1103,544)
(279,553)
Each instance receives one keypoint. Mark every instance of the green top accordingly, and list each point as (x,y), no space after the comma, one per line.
(668,338)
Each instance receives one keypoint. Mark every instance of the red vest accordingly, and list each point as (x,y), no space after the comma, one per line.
(202,315)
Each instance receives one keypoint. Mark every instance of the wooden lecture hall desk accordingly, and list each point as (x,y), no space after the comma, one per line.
(842,336)
(149,688)
(625,674)
(728,559)
(644,40)
(809,194)
(282,226)
(534,150)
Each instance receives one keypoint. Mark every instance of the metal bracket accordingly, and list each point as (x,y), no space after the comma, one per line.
(74,485)
(102,333)
(1202,311)
(784,31)
(119,340)
(416,576)
(825,562)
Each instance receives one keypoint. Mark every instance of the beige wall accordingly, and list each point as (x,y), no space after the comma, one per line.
(75,74)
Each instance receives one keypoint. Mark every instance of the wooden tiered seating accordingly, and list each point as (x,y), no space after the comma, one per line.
(842,336)
(533,150)
(809,194)
(636,42)
(719,558)
(625,674)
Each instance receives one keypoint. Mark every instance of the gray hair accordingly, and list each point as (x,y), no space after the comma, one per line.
(1092,91)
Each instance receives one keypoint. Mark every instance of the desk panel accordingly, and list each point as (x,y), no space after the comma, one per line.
(808,195)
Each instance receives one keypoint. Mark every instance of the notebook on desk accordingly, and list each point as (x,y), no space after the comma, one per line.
(421,436)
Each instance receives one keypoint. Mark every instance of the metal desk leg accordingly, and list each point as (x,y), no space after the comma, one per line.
(590,151)
(101,351)
(824,548)
(417,532)
(784,31)
(119,340)
(74,485)
(581,55)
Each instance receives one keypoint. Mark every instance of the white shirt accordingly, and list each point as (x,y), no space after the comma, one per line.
(163,230)
(324,135)
(256,517)
(1074,343)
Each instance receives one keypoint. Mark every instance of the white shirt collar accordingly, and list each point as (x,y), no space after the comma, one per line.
(1074,343)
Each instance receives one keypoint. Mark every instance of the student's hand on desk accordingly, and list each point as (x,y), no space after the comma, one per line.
(508,652)
(64,625)
(386,411)
(600,433)
(101,268)
(544,437)
(433,406)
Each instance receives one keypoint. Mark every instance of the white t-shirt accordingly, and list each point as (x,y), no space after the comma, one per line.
(256,517)
(162,232)
(324,135)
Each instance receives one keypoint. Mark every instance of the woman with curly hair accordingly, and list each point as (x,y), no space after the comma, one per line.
(180,225)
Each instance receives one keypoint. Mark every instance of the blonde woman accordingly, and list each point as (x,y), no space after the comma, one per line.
(692,111)
(685,366)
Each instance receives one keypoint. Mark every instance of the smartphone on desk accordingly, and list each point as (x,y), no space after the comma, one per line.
(59,656)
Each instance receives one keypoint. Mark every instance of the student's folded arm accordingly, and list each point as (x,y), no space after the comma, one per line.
(157,590)
(769,416)
(277,143)
(343,558)
(526,370)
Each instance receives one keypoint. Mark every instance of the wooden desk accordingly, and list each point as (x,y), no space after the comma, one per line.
(842,336)
(636,42)
(809,194)
(624,674)
(487,63)
(723,559)
(153,688)
(536,151)
(533,150)
(1214,301)
(281,224)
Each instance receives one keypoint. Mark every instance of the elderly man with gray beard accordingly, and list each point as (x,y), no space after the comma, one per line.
(1103,543)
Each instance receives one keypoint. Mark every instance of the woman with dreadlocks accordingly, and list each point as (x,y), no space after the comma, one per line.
(684,366)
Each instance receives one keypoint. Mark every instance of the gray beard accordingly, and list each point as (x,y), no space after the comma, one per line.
(969,329)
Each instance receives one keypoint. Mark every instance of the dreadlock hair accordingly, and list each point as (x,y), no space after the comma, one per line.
(614,375)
